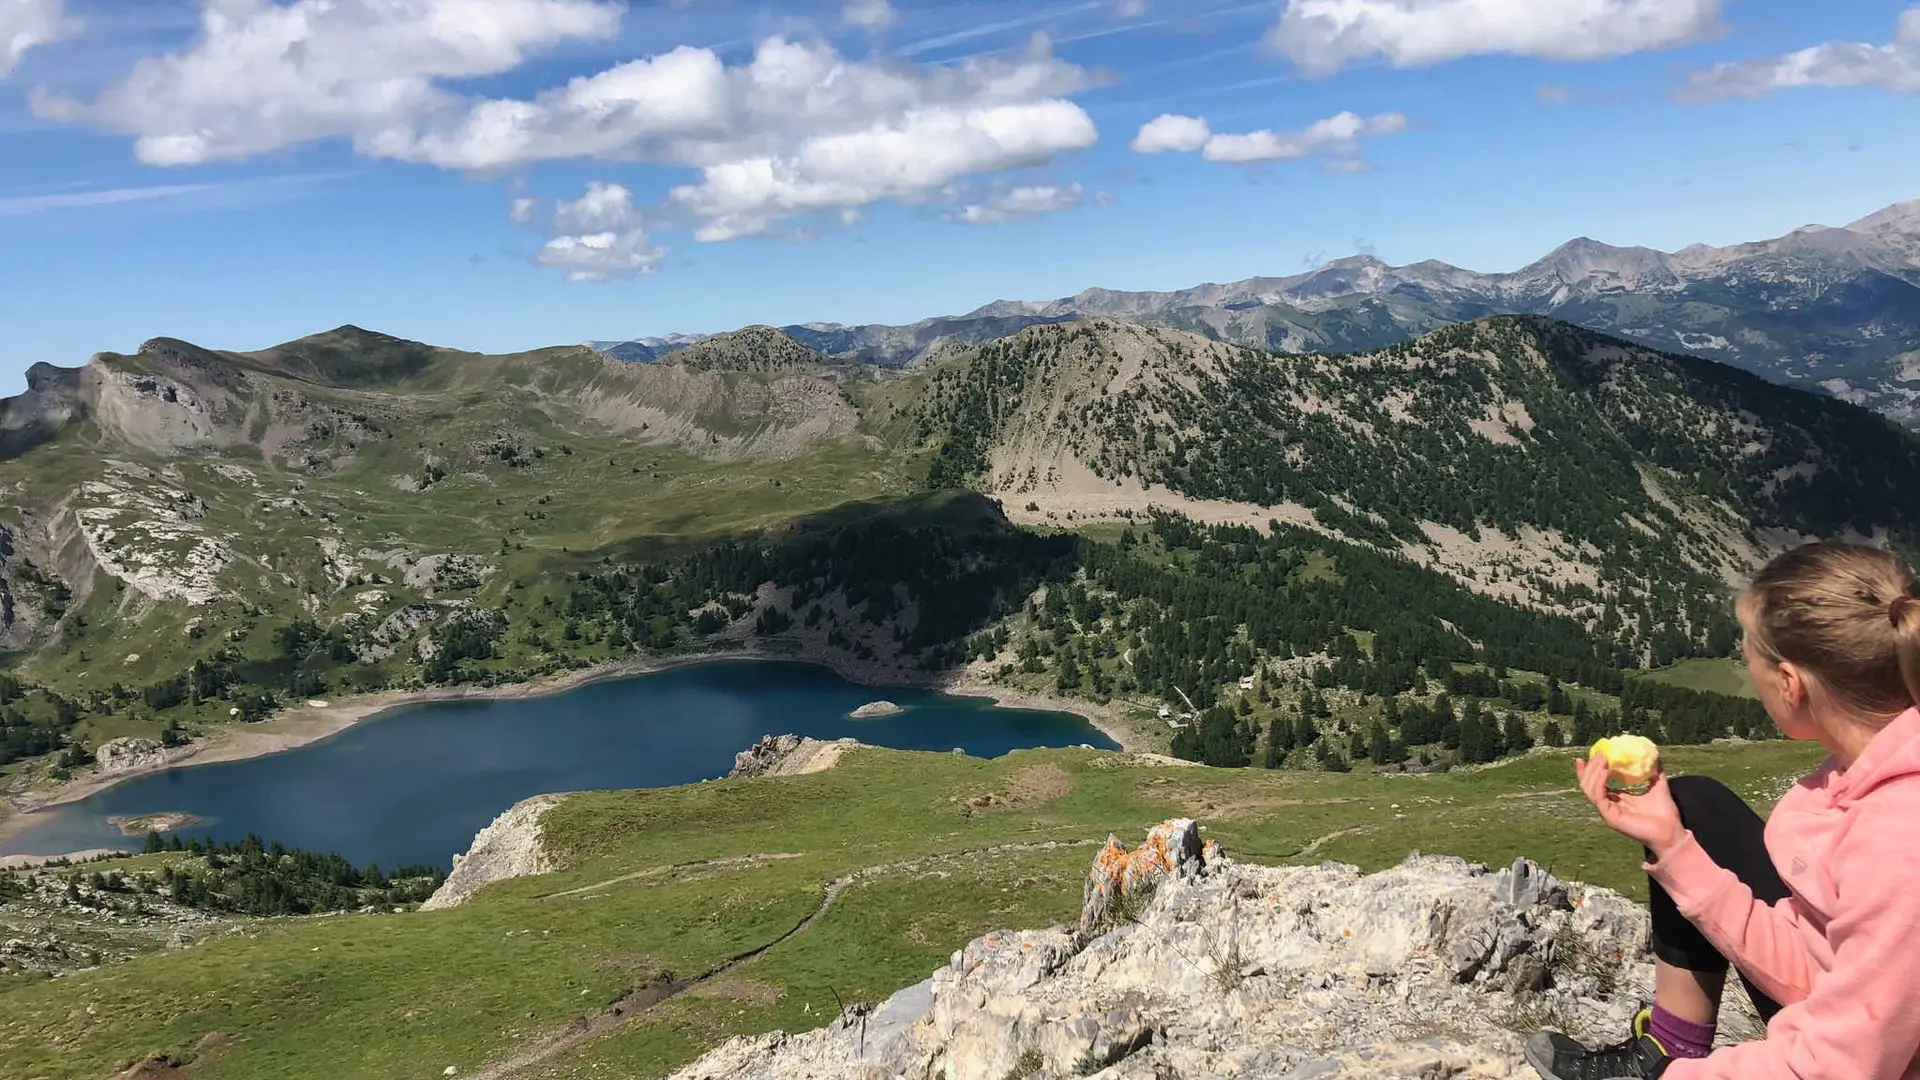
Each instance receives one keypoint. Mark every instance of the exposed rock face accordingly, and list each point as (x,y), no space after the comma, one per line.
(509,847)
(120,755)
(1421,971)
(397,627)
(54,398)
(788,755)
(148,533)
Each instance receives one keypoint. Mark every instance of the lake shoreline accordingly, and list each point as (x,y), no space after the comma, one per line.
(305,724)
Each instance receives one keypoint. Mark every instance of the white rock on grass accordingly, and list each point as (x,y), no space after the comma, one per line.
(129,752)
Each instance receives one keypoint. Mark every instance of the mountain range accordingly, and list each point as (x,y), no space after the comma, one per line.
(184,505)
(1833,310)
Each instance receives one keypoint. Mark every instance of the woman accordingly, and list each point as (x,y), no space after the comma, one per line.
(1818,908)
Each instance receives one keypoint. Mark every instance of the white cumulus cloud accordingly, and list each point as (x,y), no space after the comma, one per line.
(687,107)
(262,76)
(25,24)
(1323,36)
(1338,137)
(1171,132)
(604,207)
(602,256)
(1015,203)
(795,129)
(1893,67)
(873,14)
(597,237)
(905,159)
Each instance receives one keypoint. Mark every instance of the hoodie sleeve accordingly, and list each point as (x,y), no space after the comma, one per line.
(1763,940)
(1861,1019)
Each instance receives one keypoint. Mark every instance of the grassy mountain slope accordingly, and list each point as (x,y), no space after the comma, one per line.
(900,858)
(180,502)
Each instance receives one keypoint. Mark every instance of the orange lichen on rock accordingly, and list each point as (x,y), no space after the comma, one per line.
(1171,847)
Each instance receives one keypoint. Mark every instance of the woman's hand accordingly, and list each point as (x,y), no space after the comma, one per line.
(1652,818)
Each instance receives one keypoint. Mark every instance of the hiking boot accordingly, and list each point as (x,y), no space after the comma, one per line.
(1640,1057)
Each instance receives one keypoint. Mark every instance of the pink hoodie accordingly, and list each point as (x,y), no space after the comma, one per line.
(1842,952)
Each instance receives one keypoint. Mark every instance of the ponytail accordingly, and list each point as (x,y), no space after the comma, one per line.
(1904,615)
(1846,614)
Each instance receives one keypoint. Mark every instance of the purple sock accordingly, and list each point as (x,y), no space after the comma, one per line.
(1680,1038)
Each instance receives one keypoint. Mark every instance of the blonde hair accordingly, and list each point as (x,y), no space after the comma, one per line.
(1845,613)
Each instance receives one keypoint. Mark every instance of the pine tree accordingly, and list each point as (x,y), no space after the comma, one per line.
(1380,749)
(1558,703)
(1277,730)
(1518,739)
(1586,728)
(1304,731)
(1469,742)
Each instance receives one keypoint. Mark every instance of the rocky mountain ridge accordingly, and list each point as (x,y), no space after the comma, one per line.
(1836,310)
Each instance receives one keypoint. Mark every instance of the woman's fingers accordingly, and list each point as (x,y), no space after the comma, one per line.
(1593,781)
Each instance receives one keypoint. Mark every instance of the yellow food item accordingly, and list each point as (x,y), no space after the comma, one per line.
(1631,759)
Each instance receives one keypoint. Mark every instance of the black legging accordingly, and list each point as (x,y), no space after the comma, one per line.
(1733,836)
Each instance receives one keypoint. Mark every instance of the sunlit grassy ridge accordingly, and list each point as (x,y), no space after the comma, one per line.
(674,882)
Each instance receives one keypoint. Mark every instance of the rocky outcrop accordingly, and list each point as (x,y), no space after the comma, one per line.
(873,709)
(384,640)
(128,754)
(1193,965)
(509,847)
(150,535)
(1172,847)
(54,398)
(788,755)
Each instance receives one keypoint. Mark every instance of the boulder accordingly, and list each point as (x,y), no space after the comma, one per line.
(123,754)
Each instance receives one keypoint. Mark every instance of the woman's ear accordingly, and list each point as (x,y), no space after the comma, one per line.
(1793,686)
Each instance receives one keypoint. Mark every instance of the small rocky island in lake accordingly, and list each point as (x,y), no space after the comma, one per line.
(142,824)
(876,708)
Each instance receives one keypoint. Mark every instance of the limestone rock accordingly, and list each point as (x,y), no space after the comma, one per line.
(1171,847)
(788,755)
(758,759)
(120,755)
(1429,969)
(509,847)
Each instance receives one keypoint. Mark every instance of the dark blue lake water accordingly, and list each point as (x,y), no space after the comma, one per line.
(414,785)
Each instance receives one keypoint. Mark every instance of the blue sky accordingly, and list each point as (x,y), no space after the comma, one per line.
(504,174)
